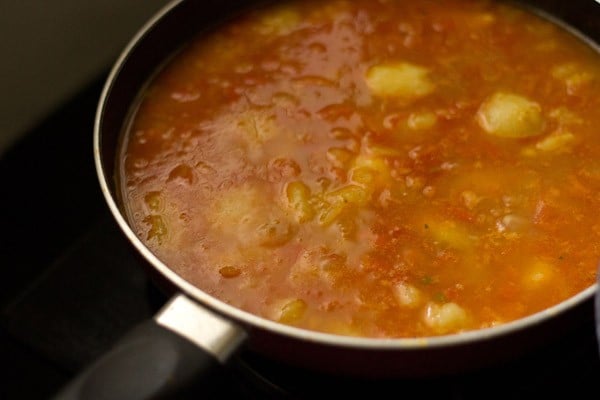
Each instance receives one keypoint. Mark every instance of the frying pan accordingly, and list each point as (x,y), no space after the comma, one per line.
(195,334)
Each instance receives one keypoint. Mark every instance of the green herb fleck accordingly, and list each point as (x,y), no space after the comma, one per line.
(440,297)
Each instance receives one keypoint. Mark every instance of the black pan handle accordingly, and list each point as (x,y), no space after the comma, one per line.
(173,356)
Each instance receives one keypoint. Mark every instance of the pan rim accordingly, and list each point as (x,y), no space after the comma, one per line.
(250,320)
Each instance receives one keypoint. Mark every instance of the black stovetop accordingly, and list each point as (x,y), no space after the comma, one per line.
(71,286)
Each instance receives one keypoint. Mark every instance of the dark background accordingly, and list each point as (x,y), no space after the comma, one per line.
(70,283)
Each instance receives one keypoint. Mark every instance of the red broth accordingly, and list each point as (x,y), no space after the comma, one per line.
(374,168)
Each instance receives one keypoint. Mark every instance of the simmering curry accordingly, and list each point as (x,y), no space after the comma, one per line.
(374,168)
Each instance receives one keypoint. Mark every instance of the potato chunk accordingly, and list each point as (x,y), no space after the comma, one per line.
(281,21)
(511,116)
(402,80)
(564,116)
(292,311)
(557,142)
(407,295)
(445,318)
(537,274)
(236,206)
(422,120)
(246,213)
(258,127)
(449,233)
(370,171)
(574,76)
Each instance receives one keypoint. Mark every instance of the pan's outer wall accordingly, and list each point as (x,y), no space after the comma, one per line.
(167,35)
